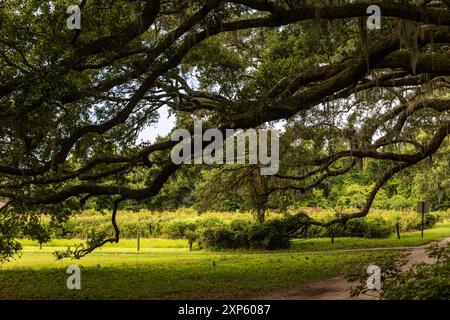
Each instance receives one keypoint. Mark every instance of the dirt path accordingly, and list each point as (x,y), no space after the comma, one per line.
(338,288)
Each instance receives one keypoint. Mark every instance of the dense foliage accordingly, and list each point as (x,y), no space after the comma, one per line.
(422,281)
(73,103)
(231,230)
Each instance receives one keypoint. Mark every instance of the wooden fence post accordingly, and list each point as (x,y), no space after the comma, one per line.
(332,234)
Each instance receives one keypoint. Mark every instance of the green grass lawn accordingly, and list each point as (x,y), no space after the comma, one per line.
(171,274)
(166,269)
(123,243)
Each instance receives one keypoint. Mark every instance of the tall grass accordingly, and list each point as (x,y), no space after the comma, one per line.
(174,224)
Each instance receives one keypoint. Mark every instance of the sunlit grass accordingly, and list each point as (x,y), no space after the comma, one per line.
(172,274)
(440,231)
(123,243)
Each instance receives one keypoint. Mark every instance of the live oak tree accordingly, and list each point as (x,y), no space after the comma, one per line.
(72,102)
(234,187)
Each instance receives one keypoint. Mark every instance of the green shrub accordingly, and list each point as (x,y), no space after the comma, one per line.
(421,281)
(378,228)
(359,228)
(355,228)
(271,235)
(378,224)
(431,220)
(217,237)
(177,229)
